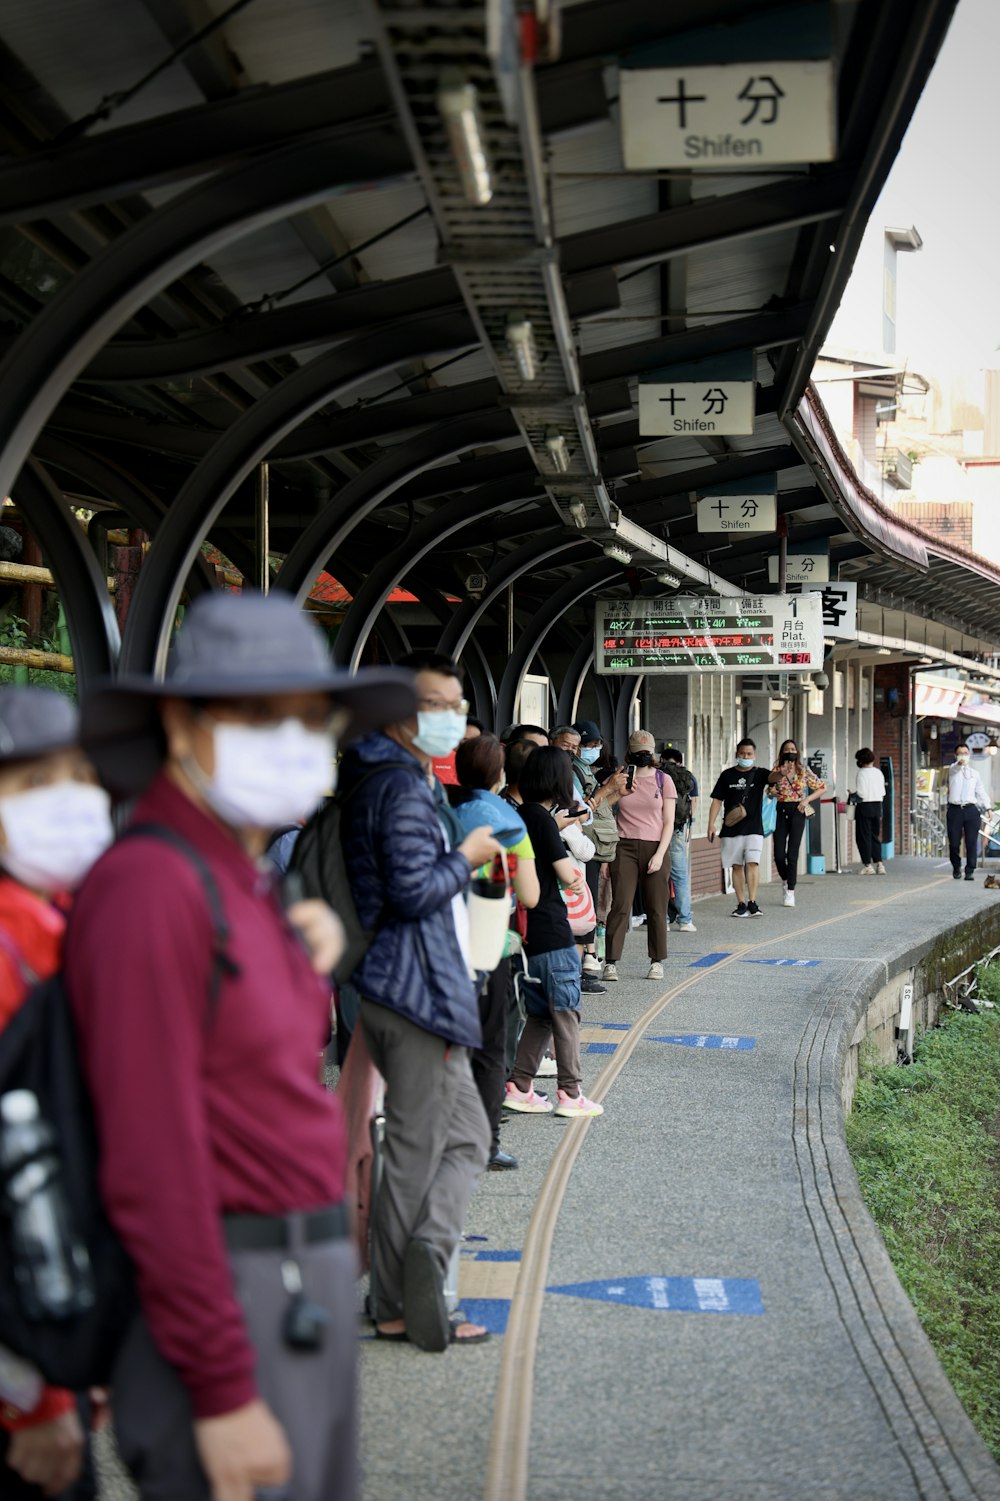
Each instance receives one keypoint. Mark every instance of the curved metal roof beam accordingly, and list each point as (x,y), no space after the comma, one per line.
(530,640)
(368,490)
(551,547)
(62,340)
(244,445)
(82,587)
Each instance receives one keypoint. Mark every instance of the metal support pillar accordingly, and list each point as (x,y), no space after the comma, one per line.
(262,528)
(572,683)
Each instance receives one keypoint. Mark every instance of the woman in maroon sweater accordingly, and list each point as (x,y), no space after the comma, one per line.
(222,1157)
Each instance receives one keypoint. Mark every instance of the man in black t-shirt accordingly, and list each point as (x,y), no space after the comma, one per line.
(739,792)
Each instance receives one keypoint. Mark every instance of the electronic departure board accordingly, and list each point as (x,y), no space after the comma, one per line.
(715,633)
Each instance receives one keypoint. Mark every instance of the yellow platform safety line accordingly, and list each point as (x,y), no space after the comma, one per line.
(510,1438)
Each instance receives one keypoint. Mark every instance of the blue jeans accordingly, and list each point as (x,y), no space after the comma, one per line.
(553,1007)
(680,872)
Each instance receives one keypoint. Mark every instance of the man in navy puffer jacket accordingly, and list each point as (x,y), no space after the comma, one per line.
(418,1010)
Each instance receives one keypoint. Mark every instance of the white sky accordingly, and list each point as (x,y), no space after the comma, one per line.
(946,182)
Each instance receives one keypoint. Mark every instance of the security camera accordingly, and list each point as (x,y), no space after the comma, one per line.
(821,680)
(475,584)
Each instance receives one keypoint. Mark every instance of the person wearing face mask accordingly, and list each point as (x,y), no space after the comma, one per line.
(796,789)
(739,795)
(645,827)
(409,862)
(223,1157)
(967,800)
(54,823)
(869,785)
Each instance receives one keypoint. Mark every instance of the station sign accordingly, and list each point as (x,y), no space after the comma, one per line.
(739,507)
(741,114)
(840,606)
(719,408)
(714,633)
(805,563)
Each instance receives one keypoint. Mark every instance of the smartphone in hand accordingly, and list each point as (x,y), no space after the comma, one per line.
(629,778)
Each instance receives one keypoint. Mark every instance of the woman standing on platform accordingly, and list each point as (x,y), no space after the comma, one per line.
(796,789)
(870,787)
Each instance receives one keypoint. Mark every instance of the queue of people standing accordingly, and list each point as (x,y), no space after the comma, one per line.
(190,969)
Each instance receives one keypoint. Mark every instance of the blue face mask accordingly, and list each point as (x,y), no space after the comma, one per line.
(745,761)
(439,731)
(589,754)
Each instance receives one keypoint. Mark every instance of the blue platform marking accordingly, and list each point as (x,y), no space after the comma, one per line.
(601,1047)
(677,1294)
(613,1026)
(793,963)
(704,1040)
(496,1255)
(492,1313)
(707,960)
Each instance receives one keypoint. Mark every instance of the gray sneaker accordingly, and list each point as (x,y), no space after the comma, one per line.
(610,973)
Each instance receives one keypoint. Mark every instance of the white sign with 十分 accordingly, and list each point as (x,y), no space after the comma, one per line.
(720,407)
(729,115)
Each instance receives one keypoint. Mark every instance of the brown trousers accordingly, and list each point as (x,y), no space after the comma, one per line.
(628,871)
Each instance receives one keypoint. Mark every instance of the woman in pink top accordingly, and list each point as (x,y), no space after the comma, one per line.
(645,827)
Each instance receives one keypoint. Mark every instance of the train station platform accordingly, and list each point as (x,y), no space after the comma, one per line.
(689,1298)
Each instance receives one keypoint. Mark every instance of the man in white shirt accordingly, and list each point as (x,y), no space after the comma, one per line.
(966,801)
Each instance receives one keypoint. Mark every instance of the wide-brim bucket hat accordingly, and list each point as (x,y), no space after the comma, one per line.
(231,646)
(36,722)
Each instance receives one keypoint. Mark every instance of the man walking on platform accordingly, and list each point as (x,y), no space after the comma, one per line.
(685,808)
(967,800)
(739,792)
(202,1009)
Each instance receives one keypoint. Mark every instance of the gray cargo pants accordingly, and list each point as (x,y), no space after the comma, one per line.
(311,1393)
(437,1141)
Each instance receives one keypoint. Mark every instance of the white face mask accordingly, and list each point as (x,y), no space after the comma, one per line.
(54,834)
(266,776)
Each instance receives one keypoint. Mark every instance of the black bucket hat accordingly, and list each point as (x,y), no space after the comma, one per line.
(36,722)
(231,646)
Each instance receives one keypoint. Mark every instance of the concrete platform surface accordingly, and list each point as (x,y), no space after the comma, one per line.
(697,1306)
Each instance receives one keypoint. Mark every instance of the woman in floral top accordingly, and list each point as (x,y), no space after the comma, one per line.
(795,788)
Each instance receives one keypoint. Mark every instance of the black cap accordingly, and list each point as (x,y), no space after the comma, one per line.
(588,730)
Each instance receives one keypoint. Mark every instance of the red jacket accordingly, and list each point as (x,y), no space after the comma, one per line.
(198,1114)
(35,928)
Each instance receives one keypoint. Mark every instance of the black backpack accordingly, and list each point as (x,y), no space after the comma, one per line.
(38,1051)
(319,864)
(683,781)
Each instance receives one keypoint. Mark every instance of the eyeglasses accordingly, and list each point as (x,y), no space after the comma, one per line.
(435,706)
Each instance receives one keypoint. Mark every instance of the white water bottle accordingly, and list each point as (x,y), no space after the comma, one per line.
(489,915)
(51,1267)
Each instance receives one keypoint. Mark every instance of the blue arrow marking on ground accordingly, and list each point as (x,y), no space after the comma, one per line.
(678,1294)
(793,963)
(492,1313)
(703,1040)
(707,960)
(601,1047)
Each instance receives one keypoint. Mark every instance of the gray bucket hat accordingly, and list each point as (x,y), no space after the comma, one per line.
(230,646)
(35,722)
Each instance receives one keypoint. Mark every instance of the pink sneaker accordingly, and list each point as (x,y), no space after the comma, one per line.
(526,1100)
(576,1105)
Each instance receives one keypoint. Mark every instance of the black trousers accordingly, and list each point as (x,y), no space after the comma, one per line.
(963,820)
(788,832)
(868,829)
(489,1062)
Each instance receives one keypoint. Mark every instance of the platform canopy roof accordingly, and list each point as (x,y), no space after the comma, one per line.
(245,233)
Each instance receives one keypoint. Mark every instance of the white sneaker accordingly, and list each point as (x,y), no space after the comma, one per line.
(867,870)
(610,973)
(789,898)
(686,927)
(638,922)
(591,965)
(655,972)
(576,1105)
(880,869)
(547,1068)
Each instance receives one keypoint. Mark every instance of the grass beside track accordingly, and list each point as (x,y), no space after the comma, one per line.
(926,1146)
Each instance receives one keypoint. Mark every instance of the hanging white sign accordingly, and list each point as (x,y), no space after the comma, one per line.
(729,115)
(801,568)
(737,513)
(840,606)
(722,407)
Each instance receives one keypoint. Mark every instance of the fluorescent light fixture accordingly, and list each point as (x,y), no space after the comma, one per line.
(458,103)
(521,338)
(616,551)
(668,580)
(883,651)
(558,451)
(578,511)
